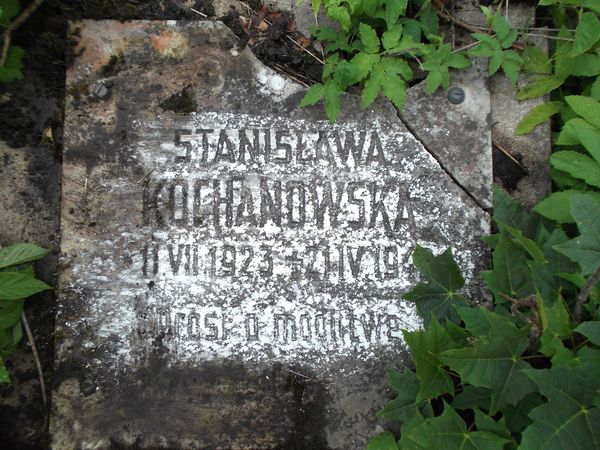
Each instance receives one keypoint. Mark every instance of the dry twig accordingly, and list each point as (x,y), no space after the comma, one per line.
(38,364)
(6,36)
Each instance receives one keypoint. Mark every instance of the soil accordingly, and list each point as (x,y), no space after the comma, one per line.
(31,116)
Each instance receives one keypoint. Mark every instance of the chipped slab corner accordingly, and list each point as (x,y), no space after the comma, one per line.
(233,265)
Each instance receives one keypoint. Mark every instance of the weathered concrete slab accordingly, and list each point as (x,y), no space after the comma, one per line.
(233,264)
(458,133)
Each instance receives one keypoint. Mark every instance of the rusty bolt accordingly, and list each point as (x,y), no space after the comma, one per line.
(456,95)
(101,90)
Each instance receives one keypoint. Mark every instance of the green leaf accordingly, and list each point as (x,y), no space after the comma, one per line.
(458,61)
(438,296)
(525,243)
(449,431)
(494,361)
(568,419)
(316,5)
(363,63)
(473,397)
(586,107)
(402,408)
(585,248)
(541,86)
(557,206)
(396,66)
(555,325)
(10,313)
(510,274)
(4,377)
(586,34)
(391,38)
(10,8)
(538,115)
(577,165)
(426,347)
(15,285)
(394,88)
(372,86)
(595,91)
(341,15)
(383,441)
(572,130)
(590,330)
(517,416)
(433,81)
(486,423)
(13,65)
(21,253)
(368,37)
(313,95)
(591,4)
(393,10)
(535,60)
(332,100)
(586,65)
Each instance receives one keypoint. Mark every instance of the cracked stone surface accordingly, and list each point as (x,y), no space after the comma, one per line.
(233,265)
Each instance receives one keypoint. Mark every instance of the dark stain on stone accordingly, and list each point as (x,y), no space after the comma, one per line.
(309,397)
(506,172)
(182,102)
(115,64)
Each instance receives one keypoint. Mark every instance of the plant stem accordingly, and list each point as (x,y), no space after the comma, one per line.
(35,356)
(582,298)
(6,36)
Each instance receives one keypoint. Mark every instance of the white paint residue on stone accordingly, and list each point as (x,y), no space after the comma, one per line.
(233,281)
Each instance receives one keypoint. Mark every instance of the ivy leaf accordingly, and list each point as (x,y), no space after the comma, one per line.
(510,274)
(541,86)
(517,416)
(450,431)
(586,107)
(383,441)
(577,165)
(368,37)
(426,346)
(13,65)
(557,206)
(313,95)
(585,248)
(14,285)
(402,408)
(555,325)
(568,419)
(538,115)
(525,243)
(586,34)
(473,397)
(438,296)
(590,330)
(494,361)
(486,423)
(20,254)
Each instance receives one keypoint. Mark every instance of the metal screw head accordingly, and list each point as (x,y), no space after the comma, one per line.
(456,95)
(101,90)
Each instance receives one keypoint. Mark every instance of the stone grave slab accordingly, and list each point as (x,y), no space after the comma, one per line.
(232,265)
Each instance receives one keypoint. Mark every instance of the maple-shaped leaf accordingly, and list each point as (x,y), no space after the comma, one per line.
(568,420)
(494,361)
(404,406)
(585,248)
(449,431)
(383,441)
(426,346)
(439,295)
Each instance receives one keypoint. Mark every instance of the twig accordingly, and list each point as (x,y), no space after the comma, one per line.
(466,47)
(305,49)
(507,153)
(35,356)
(6,36)
(582,298)
(198,12)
